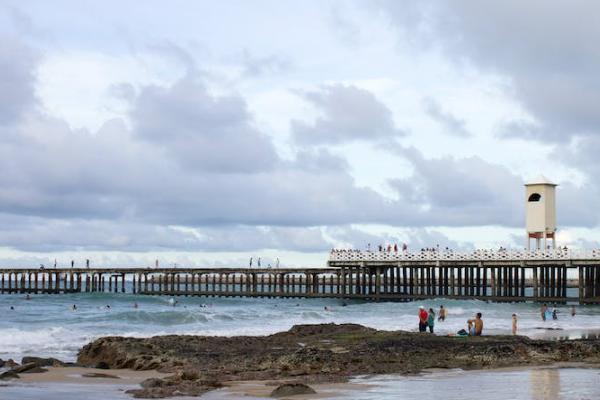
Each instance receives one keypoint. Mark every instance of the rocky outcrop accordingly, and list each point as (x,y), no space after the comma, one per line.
(185,383)
(292,389)
(8,375)
(327,352)
(42,362)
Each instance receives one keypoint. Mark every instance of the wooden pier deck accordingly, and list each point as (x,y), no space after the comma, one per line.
(502,276)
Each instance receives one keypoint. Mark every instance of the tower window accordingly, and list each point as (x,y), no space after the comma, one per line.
(535,197)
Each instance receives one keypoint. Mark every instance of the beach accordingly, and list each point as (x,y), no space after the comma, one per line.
(47,326)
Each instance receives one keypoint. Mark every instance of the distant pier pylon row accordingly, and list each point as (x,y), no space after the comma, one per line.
(555,276)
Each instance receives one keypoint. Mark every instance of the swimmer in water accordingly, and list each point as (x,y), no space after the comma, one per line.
(74,307)
(12,308)
(135,305)
(108,306)
(28,297)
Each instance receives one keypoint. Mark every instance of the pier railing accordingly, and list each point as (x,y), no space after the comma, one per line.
(475,255)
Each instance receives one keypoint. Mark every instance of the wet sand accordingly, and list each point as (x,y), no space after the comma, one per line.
(83,376)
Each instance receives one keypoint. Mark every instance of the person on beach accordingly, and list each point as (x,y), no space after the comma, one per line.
(475,325)
(514,324)
(422,319)
(431,320)
(442,314)
(543,311)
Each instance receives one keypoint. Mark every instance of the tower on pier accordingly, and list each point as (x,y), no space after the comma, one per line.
(540,211)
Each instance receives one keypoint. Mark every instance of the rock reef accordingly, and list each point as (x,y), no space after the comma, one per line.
(318,353)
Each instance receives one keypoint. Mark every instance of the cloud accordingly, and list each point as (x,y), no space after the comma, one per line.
(451,124)
(37,234)
(546,50)
(269,65)
(348,113)
(459,191)
(17,68)
(200,130)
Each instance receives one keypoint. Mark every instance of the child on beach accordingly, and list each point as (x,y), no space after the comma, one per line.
(514,324)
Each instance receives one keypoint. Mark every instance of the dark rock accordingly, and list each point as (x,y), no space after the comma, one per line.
(153,383)
(24,368)
(99,375)
(1,363)
(102,365)
(292,389)
(9,375)
(35,370)
(43,362)
(10,363)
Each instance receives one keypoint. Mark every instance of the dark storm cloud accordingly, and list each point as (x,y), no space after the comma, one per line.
(348,113)
(451,124)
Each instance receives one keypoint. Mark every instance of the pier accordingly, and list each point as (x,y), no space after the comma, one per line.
(554,276)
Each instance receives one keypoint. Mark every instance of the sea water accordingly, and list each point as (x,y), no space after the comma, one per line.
(47,325)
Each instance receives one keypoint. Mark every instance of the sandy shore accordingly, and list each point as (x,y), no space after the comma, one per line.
(90,375)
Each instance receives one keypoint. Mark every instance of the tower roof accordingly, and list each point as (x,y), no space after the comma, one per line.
(540,180)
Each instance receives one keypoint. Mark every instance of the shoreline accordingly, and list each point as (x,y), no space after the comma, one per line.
(263,388)
(315,355)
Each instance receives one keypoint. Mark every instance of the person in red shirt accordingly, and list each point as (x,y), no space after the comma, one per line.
(422,319)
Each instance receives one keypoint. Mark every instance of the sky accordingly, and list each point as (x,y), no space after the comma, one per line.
(205,133)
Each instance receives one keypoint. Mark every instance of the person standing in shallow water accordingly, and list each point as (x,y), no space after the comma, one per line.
(422,319)
(514,324)
(543,311)
(442,314)
(431,319)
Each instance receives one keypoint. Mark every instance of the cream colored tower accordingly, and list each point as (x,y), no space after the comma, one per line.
(540,212)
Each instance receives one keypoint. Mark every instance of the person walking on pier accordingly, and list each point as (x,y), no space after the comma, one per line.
(250,263)
(422,319)
(431,320)
(72,263)
(87,263)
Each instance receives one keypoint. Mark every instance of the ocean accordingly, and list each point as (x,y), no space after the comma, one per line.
(47,325)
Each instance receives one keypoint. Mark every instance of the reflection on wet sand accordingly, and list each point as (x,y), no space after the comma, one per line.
(544,384)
